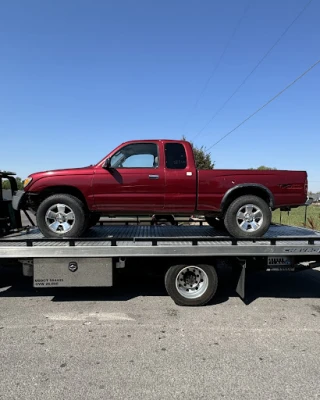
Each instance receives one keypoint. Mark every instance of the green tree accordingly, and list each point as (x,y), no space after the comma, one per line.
(263,168)
(201,156)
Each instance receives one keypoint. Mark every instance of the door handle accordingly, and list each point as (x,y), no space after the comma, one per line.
(153,176)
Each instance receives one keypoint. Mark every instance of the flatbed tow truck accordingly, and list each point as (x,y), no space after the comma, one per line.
(191,256)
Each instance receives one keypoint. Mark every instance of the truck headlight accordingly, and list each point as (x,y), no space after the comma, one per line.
(27,181)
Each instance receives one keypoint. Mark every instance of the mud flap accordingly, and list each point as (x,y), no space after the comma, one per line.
(241,285)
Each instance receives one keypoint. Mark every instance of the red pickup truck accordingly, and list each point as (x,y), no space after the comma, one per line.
(158,177)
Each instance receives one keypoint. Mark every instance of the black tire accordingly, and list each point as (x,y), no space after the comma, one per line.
(215,222)
(231,220)
(73,204)
(173,274)
(93,219)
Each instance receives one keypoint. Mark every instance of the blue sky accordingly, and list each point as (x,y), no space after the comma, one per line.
(79,77)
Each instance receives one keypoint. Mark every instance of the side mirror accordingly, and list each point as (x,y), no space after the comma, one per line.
(107,163)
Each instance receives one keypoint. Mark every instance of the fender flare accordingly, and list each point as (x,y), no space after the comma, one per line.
(249,186)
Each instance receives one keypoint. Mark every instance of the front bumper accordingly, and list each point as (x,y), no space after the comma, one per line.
(18,199)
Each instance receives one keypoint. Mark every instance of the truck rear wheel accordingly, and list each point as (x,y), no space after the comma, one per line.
(191,285)
(61,215)
(248,216)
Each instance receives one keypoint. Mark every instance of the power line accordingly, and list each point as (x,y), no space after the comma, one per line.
(253,70)
(267,103)
(218,62)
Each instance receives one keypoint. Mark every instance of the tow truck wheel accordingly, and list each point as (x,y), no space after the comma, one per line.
(61,215)
(248,216)
(191,285)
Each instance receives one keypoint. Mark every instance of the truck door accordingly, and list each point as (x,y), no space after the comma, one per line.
(180,179)
(134,181)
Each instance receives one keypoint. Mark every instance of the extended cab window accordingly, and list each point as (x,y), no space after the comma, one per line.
(175,156)
(136,155)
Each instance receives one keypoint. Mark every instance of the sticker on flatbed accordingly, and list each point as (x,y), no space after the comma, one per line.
(48,282)
(279,261)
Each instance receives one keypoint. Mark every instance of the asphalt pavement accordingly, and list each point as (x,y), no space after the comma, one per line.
(132,342)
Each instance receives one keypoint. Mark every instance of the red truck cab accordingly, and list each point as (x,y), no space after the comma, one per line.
(159,177)
(147,177)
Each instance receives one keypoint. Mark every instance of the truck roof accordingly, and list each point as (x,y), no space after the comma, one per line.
(156,140)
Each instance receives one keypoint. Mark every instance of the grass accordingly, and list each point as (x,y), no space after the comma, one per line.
(296,217)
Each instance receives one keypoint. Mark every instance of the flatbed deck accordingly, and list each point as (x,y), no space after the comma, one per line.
(192,254)
(135,241)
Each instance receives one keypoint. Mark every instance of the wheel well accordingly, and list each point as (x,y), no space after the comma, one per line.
(62,190)
(243,191)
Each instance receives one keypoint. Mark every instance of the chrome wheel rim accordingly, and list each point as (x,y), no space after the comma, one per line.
(192,282)
(60,218)
(249,218)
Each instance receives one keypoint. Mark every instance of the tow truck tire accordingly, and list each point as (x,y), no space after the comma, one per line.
(248,216)
(191,285)
(61,215)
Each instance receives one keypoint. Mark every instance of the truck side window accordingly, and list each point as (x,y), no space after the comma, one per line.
(175,156)
(136,155)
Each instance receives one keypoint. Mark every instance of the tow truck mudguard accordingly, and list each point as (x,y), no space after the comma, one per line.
(17,199)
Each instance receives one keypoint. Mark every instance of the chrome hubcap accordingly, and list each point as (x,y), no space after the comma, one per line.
(60,218)
(249,218)
(192,282)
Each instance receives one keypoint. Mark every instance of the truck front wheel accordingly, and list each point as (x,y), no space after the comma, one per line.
(61,215)
(191,285)
(248,216)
